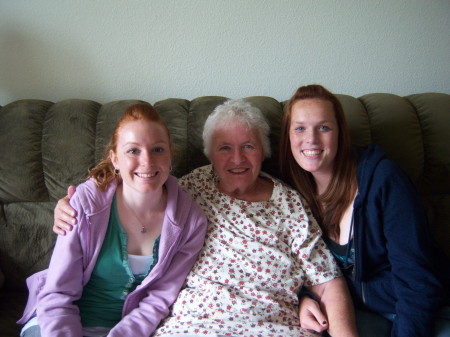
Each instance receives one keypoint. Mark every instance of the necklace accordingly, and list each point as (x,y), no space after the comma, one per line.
(143,229)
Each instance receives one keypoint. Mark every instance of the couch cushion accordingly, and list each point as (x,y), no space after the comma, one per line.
(21,172)
(26,241)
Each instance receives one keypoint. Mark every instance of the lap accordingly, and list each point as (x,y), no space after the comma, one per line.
(370,324)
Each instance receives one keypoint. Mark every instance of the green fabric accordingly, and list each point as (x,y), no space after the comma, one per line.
(69,128)
(357,120)
(111,280)
(394,125)
(26,241)
(433,113)
(21,171)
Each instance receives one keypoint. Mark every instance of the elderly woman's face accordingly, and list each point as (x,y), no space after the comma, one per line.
(237,155)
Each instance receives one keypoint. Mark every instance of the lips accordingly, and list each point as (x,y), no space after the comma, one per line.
(238,170)
(146,175)
(311,153)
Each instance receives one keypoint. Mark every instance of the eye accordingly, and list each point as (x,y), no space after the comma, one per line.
(248,147)
(159,149)
(224,148)
(324,128)
(299,129)
(132,151)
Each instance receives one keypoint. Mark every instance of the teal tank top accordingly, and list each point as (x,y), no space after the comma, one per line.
(112,279)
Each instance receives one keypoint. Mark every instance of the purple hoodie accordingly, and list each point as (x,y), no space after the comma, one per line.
(53,291)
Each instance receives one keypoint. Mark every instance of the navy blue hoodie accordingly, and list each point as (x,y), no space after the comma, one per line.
(394,269)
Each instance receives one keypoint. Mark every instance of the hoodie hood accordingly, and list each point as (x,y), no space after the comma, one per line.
(368,159)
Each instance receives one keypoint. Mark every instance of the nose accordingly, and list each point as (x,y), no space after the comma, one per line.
(146,159)
(237,156)
(310,136)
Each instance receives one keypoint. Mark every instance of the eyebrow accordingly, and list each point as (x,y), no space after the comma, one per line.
(245,142)
(155,143)
(320,122)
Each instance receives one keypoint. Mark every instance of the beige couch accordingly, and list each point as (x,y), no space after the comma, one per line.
(46,146)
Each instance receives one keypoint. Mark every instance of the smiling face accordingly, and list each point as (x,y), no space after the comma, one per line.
(313,135)
(142,155)
(237,155)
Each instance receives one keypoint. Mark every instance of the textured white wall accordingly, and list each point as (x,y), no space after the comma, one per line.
(154,49)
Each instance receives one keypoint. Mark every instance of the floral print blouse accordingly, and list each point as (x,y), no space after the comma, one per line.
(256,257)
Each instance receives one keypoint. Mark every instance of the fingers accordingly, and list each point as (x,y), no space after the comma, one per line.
(62,221)
(70,191)
(64,215)
(311,322)
(311,317)
(58,231)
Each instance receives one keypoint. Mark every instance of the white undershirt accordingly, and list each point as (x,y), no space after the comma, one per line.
(139,264)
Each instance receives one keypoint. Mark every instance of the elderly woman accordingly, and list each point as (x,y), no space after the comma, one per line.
(261,247)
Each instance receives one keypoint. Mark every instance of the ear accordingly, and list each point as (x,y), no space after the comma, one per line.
(113,157)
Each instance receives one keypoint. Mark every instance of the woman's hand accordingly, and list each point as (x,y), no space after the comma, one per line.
(311,317)
(336,303)
(64,214)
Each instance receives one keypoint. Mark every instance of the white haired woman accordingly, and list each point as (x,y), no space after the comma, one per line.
(262,245)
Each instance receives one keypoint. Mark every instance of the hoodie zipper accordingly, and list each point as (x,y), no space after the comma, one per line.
(363,293)
(355,266)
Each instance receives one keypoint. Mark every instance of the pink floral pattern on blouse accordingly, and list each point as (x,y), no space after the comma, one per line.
(256,257)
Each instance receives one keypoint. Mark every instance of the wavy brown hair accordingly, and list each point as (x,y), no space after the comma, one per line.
(103,174)
(329,207)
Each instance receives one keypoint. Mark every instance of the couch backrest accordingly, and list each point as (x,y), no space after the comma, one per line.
(45,146)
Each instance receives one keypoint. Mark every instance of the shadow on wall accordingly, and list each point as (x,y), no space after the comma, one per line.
(32,68)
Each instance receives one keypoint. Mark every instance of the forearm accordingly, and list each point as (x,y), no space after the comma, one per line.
(337,304)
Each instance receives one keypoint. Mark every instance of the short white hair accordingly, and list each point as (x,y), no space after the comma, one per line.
(236,111)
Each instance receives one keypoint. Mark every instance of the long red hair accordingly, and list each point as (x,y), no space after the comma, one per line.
(329,207)
(103,174)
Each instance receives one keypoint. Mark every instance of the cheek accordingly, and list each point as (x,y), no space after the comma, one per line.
(334,142)
(333,147)
(217,160)
(167,162)
(126,162)
(294,140)
(256,161)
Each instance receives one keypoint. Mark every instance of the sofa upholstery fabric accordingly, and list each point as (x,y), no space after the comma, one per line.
(46,146)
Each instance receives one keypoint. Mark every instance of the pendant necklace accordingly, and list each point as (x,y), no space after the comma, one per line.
(143,229)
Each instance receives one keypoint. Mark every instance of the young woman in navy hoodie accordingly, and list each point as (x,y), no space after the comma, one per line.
(371,216)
